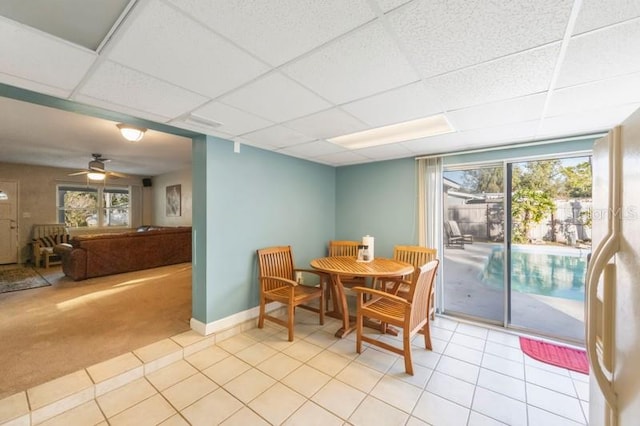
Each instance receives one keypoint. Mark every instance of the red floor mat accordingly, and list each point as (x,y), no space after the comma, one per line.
(561,356)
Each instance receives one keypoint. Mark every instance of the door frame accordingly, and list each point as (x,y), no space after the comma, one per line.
(14,231)
(507,165)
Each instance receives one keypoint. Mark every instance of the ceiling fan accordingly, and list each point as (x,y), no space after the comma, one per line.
(96,170)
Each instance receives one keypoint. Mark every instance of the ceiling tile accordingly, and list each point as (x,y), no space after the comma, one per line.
(168,45)
(385,152)
(474,139)
(23,83)
(277,137)
(199,128)
(82,22)
(343,158)
(604,93)
(327,124)
(596,120)
(312,149)
(294,26)
(601,13)
(31,55)
(387,5)
(128,88)
(498,113)
(601,54)
(233,120)
(125,109)
(433,144)
(443,36)
(510,77)
(365,62)
(398,105)
(276,98)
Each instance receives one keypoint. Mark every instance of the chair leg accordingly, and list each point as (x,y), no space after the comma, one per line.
(358,333)
(406,343)
(290,321)
(263,302)
(426,330)
(321,307)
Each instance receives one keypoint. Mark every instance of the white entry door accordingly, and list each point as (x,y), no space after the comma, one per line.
(8,222)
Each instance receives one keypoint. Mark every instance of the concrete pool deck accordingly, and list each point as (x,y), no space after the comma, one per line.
(465,293)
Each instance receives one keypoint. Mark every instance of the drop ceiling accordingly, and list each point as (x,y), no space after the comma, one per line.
(287,75)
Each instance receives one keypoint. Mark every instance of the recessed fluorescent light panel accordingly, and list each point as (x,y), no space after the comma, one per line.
(400,132)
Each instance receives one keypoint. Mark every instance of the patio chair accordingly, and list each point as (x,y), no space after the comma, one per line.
(410,314)
(277,278)
(455,237)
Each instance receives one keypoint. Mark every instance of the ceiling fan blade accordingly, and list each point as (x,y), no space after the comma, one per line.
(117,175)
(82,172)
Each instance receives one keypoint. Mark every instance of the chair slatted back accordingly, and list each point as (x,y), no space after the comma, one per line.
(343,248)
(45,230)
(275,262)
(455,229)
(420,293)
(415,255)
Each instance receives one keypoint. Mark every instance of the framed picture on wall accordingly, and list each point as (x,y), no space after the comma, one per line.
(174,200)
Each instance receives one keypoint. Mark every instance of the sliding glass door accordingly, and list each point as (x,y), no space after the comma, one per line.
(516,236)
(550,240)
(473,237)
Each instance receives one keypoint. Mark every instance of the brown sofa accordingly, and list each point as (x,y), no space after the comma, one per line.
(105,254)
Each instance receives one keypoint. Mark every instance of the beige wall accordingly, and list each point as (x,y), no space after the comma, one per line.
(159,186)
(37,197)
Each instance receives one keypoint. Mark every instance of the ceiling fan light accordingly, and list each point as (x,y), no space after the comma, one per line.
(96,176)
(131,133)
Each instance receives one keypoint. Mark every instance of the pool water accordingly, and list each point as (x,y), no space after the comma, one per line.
(540,270)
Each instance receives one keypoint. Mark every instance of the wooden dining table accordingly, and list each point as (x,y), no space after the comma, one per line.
(340,266)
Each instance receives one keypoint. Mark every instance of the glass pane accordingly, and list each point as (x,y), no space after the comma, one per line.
(116,217)
(473,233)
(116,211)
(551,217)
(80,208)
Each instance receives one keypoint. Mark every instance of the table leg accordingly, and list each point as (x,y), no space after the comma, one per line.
(340,307)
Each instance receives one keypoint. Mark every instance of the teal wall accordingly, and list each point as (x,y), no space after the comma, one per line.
(378,199)
(255,199)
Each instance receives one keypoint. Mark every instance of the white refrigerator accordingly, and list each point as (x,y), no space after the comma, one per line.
(613,279)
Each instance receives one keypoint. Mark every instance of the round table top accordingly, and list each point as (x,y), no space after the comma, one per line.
(347,265)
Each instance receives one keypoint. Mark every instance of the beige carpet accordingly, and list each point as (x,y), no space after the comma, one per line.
(52,331)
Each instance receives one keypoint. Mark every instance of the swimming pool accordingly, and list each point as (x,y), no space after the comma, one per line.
(548,271)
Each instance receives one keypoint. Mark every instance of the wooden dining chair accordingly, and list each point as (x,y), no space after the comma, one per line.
(346,248)
(417,256)
(343,248)
(277,277)
(409,314)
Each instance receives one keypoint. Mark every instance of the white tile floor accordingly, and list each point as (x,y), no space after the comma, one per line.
(475,376)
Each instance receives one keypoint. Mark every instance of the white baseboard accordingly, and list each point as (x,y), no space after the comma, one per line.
(231,321)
